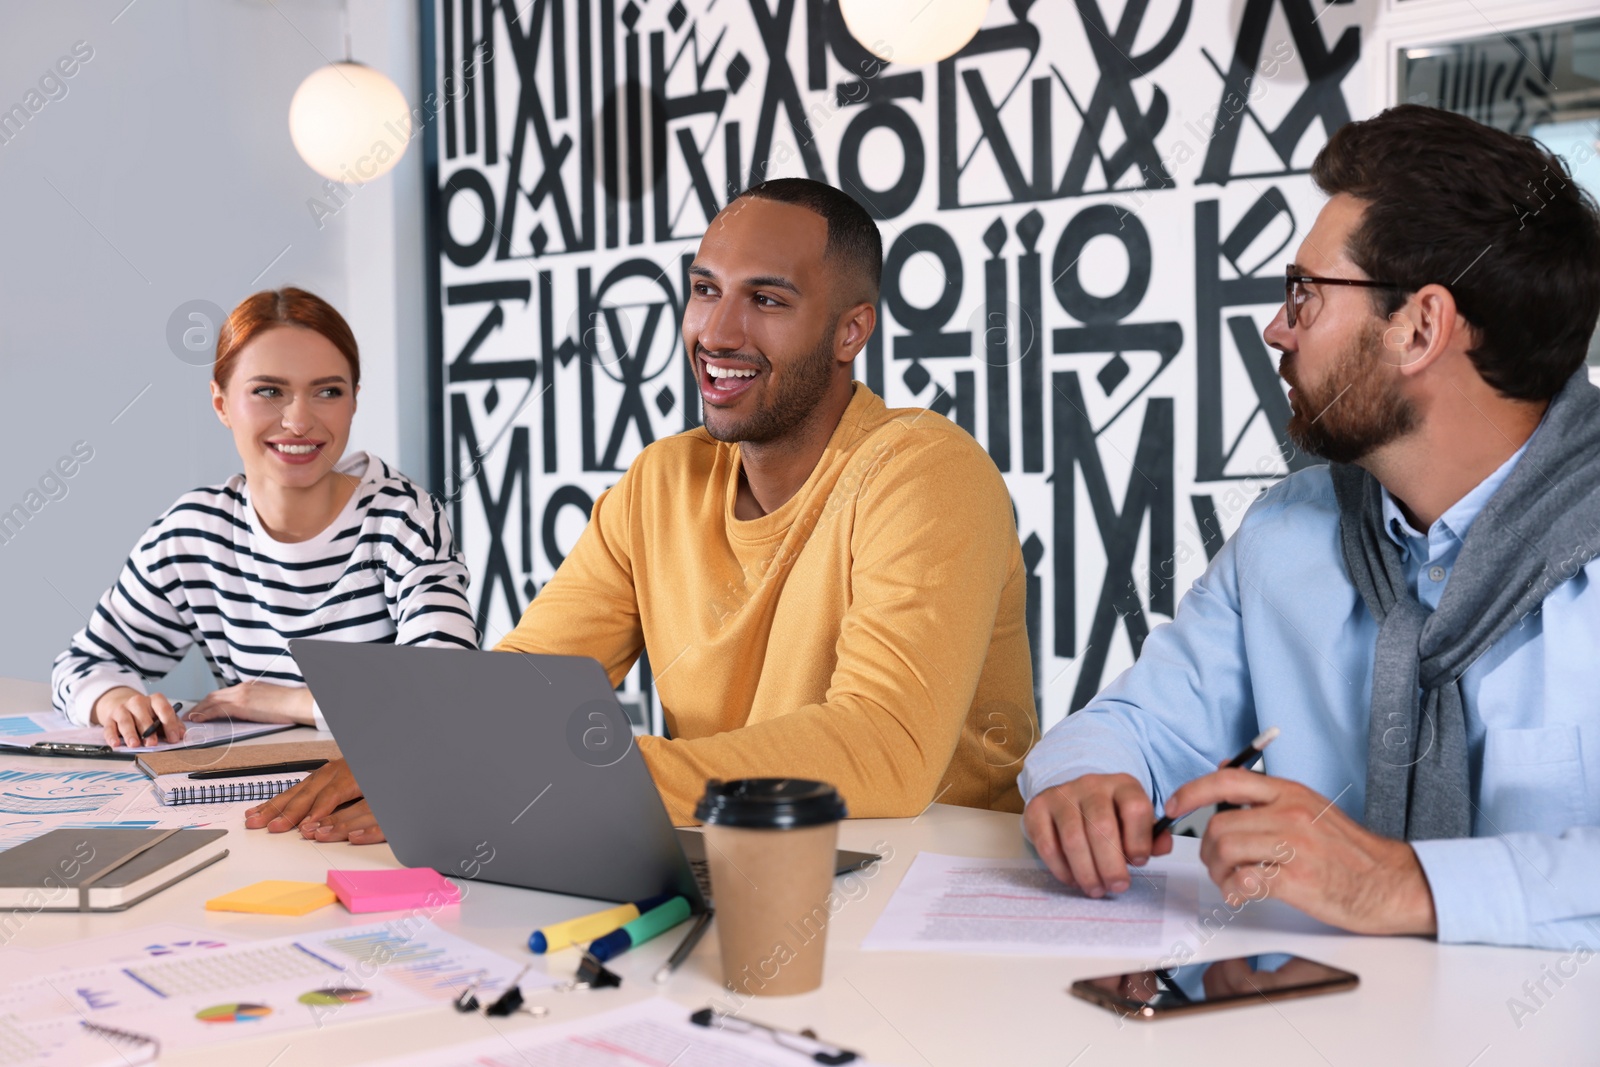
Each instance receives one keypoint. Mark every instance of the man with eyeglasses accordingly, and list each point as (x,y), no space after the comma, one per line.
(1419,618)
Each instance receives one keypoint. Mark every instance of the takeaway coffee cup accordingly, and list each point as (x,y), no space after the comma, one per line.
(770,845)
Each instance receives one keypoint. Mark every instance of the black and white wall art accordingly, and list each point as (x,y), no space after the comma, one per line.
(1085,213)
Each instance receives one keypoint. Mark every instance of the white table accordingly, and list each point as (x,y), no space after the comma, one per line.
(1418,1002)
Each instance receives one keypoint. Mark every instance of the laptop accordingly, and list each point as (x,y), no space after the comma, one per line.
(506,767)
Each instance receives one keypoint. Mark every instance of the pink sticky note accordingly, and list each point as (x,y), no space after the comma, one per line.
(398,890)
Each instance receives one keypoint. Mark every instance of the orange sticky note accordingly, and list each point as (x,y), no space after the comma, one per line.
(275,898)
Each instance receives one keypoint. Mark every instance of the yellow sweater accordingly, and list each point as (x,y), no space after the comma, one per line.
(868,633)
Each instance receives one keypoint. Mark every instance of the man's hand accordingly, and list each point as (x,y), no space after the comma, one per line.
(321,807)
(1321,861)
(1090,829)
(125,714)
(256,702)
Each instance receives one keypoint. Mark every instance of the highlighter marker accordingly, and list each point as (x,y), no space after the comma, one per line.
(652,923)
(588,927)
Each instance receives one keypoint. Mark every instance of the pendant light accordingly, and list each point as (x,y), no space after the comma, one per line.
(913,32)
(349,122)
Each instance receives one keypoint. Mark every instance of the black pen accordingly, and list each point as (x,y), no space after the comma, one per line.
(265,768)
(1244,759)
(686,946)
(153,727)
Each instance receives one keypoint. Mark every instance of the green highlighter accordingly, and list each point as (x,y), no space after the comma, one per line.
(652,923)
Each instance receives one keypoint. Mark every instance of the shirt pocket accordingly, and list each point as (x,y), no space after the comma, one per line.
(1533,781)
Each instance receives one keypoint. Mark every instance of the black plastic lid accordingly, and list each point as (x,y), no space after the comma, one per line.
(770,803)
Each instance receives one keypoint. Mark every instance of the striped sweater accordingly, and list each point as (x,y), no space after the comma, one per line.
(385,570)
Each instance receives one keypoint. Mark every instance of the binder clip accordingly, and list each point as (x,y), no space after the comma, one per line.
(468,1000)
(511,1002)
(508,1003)
(592,974)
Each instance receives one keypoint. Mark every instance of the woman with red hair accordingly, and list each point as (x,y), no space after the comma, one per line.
(307,542)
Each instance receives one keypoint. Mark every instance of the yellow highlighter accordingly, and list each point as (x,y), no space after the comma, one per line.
(588,927)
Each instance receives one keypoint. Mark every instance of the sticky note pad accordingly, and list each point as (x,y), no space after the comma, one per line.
(408,887)
(275,898)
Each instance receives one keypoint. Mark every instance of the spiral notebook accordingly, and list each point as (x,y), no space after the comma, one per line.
(171,771)
(181,789)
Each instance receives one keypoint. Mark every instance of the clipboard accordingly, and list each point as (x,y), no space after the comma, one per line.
(67,749)
(90,750)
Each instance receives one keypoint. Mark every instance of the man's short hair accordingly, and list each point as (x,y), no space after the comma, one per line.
(1494,218)
(854,244)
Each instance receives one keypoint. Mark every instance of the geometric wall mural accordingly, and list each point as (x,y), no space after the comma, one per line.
(1085,213)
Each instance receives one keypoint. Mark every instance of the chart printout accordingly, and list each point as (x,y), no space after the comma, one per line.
(187,993)
(36,797)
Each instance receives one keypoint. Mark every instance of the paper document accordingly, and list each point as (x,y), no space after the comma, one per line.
(37,796)
(21,731)
(220,991)
(1016,907)
(649,1033)
(61,1039)
(158,940)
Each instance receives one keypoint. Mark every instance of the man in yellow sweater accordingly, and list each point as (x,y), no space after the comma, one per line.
(827,588)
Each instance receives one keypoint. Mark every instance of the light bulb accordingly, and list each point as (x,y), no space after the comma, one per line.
(349,122)
(913,32)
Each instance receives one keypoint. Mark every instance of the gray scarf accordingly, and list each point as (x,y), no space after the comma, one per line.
(1538,530)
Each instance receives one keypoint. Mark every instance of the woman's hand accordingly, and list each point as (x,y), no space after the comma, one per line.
(326,806)
(256,702)
(125,714)
(353,822)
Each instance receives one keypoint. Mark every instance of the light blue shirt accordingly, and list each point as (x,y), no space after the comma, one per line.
(1274,634)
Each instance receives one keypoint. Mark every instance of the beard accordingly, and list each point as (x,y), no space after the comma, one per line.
(1354,409)
(792,400)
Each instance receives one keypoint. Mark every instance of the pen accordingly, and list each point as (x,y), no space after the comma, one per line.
(588,927)
(652,923)
(265,768)
(153,727)
(1243,759)
(686,946)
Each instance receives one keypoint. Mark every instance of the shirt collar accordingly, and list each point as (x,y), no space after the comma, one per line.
(1457,519)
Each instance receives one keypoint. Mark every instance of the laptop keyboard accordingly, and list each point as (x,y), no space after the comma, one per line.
(702,877)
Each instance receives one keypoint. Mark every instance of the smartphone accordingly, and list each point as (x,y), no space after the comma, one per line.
(1212,986)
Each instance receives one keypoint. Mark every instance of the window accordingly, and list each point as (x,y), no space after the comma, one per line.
(1542,81)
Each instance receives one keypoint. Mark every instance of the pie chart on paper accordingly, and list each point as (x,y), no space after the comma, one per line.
(233,1013)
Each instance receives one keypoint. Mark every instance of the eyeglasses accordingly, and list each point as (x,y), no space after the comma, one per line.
(1294,290)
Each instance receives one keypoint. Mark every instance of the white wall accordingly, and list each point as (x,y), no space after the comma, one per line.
(166,174)
(386,287)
